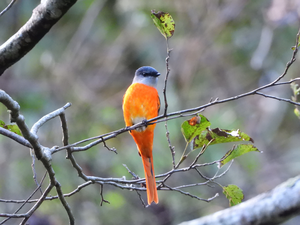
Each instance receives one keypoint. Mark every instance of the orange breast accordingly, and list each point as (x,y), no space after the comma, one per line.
(141,102)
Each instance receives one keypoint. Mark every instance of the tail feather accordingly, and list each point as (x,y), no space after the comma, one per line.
(150,180)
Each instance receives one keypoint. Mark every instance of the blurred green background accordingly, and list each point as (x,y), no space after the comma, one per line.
(220,49)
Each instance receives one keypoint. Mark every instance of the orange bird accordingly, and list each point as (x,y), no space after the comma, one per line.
(140,103)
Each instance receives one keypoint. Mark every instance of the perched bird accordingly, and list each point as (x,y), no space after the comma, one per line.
(141,102)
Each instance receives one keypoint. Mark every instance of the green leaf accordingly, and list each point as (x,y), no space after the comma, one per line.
(297,112)
(296,92)
(237,151)
(295,88)
(164,23)
(197,130)
(220,136)
(193,127)
(14,128)
(234,194)
(2,124)
(293,48)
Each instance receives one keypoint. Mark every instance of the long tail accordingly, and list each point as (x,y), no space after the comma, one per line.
(150,179)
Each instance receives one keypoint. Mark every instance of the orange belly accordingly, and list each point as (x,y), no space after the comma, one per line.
(141,102)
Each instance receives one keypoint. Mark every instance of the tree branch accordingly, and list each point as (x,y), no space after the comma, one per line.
(26,201)
(7,7)
(15,137)
(46,118)
(273,207)
(44,16)
(42,153)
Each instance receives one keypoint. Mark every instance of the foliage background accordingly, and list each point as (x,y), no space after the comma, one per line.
(220,49)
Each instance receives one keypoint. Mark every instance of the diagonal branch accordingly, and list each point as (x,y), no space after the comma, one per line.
(278,98)
(15,137)
(42,153)
(44,16)
(7,7)
(48,117)
(26,201)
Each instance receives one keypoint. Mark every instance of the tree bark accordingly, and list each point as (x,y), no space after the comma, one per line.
(273,207)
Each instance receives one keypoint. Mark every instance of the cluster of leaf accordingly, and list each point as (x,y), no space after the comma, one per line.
(198,133)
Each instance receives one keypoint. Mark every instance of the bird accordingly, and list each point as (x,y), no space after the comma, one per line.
(140,103)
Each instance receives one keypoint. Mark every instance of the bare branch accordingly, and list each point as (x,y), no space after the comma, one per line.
(113,149)
(102,197)
(287,82)
(48,117)
(141,199)
(36,205)
(44,16)
(26,201)
(42,153)
(190,195)
(132,173)
(166,78)
(79,188)
(172,148)
(33,169)
(69,152)
(14,109)
(278,98)
(200,153)
(7,7)
(64,203)
(15,137)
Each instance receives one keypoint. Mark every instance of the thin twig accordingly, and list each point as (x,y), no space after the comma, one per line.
(101,194)
(166,102)
(69,152)
(201,175)
(190,195)
(34,171)
(113,149)
(7,7)
(64,203)
(26,201)
(141,199)
(166,78)
(287,82)
(48,117)
(36,205)
(136,177)
(204,147)
(278,98)
(172,148)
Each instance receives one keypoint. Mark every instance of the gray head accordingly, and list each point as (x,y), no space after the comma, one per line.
(146,75)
